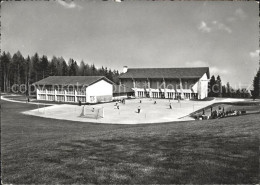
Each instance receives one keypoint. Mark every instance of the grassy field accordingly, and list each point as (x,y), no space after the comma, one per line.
(41,150)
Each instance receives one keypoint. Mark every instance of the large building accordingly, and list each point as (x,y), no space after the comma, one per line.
(173,83)
(89,89)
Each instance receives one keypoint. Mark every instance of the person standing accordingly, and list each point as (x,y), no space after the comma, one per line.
(170,106)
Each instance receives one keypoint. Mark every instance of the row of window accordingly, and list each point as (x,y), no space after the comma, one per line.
(61,98)
(63,92)
(169,95)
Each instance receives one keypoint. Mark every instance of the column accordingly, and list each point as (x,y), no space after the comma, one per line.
(149,86)
(65,95)
(136,93)
(46,94)
(55,95)
(37,93)
(75,95)
(164,86)
(86,93)
(181,94)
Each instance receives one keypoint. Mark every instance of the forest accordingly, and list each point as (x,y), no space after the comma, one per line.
(17,69)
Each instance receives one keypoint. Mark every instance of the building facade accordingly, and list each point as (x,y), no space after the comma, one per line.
(172,83)
(87,89)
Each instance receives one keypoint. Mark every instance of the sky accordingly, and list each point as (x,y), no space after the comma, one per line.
(221,35)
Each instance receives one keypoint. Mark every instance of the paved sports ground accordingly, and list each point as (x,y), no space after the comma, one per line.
(128,112)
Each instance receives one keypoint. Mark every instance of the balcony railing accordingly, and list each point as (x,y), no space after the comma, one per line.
(50,91)
(71,92)
(81,93)
(60,92)
(42,91)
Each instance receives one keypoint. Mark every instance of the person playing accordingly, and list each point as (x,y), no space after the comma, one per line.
(155,102)
(117,106)
(138,109)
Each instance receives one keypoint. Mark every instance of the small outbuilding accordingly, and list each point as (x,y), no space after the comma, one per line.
(87,89)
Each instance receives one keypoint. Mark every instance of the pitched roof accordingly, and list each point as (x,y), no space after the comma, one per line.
(194,72)
(71,80)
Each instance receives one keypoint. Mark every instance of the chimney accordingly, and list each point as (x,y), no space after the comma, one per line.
(125,69)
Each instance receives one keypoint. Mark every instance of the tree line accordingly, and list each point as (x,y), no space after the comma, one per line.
(217,89)
(256,85)
(19,70)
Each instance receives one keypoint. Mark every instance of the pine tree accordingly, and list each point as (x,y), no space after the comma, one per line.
(35,68)
(53,67)
(82,70)
(28,73)
(212,84)
(44,64)
(72,68)
(64,68)
(5,71)
(228,90)
(256,86)
(219,87)
(16,67)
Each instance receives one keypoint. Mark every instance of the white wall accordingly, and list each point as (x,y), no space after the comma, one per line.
(100,88)
(203,87)
(37,94)
(195,87)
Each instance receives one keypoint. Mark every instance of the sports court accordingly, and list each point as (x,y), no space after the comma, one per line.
(127,113)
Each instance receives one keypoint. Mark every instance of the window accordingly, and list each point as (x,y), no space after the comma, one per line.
(50,97)
(71,98)
(60,98)
(42,97)
(60,92)
(82,99)
(41,90)
(81,92)
(70,91)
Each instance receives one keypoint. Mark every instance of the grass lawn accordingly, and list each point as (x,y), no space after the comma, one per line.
(41,150)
